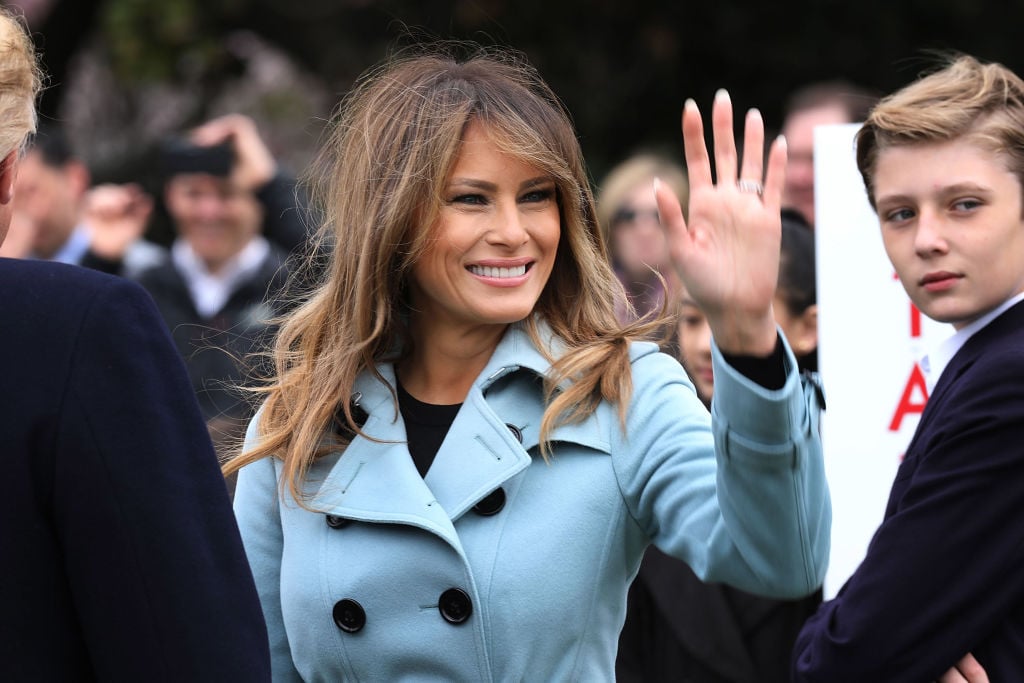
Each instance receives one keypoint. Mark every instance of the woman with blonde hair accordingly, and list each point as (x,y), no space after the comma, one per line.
(628,216)
(463,454)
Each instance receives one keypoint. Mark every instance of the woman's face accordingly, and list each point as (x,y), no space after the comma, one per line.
(638,242)
(493,246)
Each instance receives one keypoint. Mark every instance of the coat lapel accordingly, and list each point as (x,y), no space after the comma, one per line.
(479,453)
(375,480)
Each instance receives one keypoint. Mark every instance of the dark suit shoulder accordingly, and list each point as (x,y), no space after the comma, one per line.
(26,281)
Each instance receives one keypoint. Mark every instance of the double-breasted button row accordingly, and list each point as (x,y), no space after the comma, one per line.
(454,605)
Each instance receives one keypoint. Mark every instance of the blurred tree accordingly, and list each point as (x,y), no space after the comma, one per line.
(622,68)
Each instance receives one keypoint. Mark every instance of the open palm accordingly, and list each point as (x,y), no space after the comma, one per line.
(727,253)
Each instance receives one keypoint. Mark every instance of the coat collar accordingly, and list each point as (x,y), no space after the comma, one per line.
(375,480)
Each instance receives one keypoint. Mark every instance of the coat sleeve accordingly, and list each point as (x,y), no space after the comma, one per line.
(259,519)
(943,571)
(741,498)
(151,550)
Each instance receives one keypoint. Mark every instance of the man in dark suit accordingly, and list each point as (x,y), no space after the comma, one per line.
(122,561)
(940,593)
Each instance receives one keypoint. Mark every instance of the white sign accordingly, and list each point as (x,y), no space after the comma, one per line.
(870,341)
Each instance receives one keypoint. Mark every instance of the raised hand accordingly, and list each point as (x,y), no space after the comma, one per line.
(116,216)
(254,164)
(727,254)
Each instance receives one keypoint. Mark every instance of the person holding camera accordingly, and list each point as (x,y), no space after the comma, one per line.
(226,200)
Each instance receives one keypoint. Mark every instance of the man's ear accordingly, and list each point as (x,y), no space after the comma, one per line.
(8,174)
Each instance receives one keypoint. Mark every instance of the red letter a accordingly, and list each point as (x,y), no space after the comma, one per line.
(907,404)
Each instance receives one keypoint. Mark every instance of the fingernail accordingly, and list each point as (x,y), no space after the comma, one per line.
(690,104)
(754,112)
(656,184)
(722,94)
(781,139)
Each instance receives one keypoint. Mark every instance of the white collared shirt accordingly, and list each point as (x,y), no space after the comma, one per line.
(211,291)
(938,358)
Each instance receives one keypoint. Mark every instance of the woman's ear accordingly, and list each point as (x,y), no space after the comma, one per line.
(805,331)
(8,174)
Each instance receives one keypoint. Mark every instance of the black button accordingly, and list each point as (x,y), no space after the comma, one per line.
(455,606)
(349,615)
(359,415)
(516,431)
(491,504)
(336,522)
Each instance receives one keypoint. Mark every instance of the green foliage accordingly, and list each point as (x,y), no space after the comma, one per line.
(169,40)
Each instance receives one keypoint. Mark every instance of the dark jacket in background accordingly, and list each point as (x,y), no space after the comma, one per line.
(683,630)
(217,350)
(122,560)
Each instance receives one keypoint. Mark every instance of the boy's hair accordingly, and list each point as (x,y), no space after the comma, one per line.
(966,98)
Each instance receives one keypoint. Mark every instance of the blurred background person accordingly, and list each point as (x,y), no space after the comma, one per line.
(816,104)
(218,290)
(677,627)
(50,205)
(636,243)
(796,296)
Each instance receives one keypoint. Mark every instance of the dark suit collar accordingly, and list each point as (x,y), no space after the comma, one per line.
(1001,330)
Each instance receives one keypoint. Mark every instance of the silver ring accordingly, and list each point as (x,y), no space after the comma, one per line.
(744,185)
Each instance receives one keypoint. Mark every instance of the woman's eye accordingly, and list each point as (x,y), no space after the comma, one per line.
(541,195)
(472,199)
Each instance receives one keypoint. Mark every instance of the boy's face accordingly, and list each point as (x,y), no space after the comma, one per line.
(951,219)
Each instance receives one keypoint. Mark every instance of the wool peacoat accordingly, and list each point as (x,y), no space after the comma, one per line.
(501,566)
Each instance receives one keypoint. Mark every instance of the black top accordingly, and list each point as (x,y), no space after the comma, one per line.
(426,425)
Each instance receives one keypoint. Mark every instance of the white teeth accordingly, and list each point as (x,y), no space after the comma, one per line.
(490,271)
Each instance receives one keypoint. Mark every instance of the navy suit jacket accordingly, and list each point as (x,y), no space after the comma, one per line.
(122,560)
(944,573)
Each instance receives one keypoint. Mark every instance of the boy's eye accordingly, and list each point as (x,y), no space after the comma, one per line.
(899,215)
(966,204)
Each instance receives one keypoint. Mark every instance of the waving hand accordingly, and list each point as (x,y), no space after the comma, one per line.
(727,254)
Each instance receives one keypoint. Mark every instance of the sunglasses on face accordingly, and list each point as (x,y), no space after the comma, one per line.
(628,215)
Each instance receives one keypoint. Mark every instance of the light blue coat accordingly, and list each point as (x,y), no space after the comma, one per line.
(547,575)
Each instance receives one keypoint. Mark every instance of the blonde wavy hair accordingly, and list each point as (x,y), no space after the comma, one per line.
(20,83)
(377,184)
(964,98)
